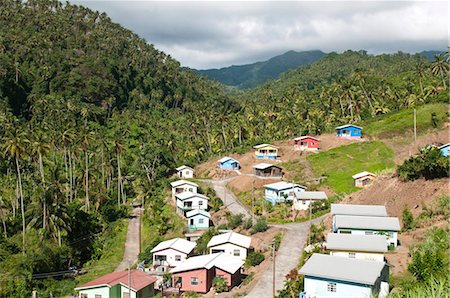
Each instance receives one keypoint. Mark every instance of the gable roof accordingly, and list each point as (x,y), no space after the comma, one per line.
(283,185)
(366,243)
(263,166)
(219,260)
(181,245)
(181,182)
(362,210)
(265,145)
(230,237)
(227,158)
(304,137)
(348,125)
(345,269)
(188,194)
(195,212)
(444,146)
(184,167)
(139,280)
(363,174)
(311,195)
(377,223)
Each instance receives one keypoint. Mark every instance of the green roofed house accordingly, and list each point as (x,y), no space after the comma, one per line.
(119,285)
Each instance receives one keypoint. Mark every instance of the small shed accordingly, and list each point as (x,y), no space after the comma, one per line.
(267,170)
(198,219)
(303,199)
(364,247)
(364,179)
(266,151)
(228,164)
(282,191)
(306,143)
(349,131)
(445,149)
(185,172)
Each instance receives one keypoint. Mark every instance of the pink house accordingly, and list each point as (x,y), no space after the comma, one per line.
(197,273)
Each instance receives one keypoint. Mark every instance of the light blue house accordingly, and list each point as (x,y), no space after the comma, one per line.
(282,192)
(198,219)
(228,163)
(445,149)
(349,131)
(331,276)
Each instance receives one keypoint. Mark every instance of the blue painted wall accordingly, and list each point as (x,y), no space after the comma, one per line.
(195,222)
(230,164)
(445,150)
(354,131)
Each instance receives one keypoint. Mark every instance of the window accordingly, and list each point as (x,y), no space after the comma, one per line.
(331,287)
(236,252)
(369,233)
(194,281)
(177,258)
(200,220)
(98,296)
(126,295)
(200,203)
(345,232)
(191,189)
(351,255)
(84,296)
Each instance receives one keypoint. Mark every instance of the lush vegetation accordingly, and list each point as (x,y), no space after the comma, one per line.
(340,163)
(428,164)
(254,259)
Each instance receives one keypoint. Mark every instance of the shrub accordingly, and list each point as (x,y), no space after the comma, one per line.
(215,203)
(235,221)
(202,242)
(248,279)
(146,255)
(317,233)
(320,206)
(248,224)
(429,164)
(444,206)
(408,220)
(254,259)
(220,284)
(260,226)
(277,240)
(111,212)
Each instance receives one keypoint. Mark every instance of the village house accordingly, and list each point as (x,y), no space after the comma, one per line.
(171,253)
(328,276)
(358,210)
(231,243)
(266,151)
(228,164)
(198,219)
(349,131)
(187,201)
(282,192)
(197,273)
(363,247)
(303,199)
(119,285)
(445,149)
(306,143)
(364,179)
(267,170)
(368,225)
(185,172)
(180,186)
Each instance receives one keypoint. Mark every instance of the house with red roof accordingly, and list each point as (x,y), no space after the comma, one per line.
(122,284)
(306,143)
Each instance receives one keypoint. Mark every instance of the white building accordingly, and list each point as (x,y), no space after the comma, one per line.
(180,186)
(282,191)
(231,243)
(171,253)
(329,276)
(185,172)
(304,198)
(187,201)
(363,247)
(368,225)
(357,210)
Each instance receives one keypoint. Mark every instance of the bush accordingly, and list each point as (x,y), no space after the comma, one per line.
(429,164)
(235,221)
(317,233)
(202,242)
(215,203)
(248,279)
(220,284)
(408,220)
(146,255)
(248,224)
(111,212)
(254,259)
(260,226)
(277,240)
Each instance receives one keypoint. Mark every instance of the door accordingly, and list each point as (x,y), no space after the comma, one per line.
(191,222)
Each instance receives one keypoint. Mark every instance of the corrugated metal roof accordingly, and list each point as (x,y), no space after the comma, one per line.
(363,210)
(226,158)
(305,137)
(265,145)
(187,195)
(345,269)
(377,223)
(196,212)
(363,174)
(347,125)
(181,182)
(364,243)
(263,166)
(311,195)
(283,185)
(445,145)
(139,280)
(230,237)
(184,167)
(219,260)
(179,244)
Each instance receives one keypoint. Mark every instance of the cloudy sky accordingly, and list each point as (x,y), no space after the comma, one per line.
(214,34)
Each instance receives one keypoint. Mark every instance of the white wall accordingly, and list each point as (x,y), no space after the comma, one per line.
(301,204)
(104,291)
(229,248)
(186,173)
(170,254)
(318,288)
(124,289)
(390,239)
(183,188)
(370,256)
(195,203)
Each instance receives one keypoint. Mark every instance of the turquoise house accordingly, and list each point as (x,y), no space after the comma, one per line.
(198,219)
(228,163)
(349,131)
(445,149)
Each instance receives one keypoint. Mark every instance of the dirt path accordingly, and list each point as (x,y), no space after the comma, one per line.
(286,259)
(132,241)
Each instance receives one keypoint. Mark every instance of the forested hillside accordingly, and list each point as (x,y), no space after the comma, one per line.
(94,118)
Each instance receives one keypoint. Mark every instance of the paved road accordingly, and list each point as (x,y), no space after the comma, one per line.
(132,242)
(287,258)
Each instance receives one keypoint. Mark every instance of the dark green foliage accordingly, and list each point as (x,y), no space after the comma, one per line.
(220,284)
(277,240)
(248,224)
(112,212)
(408,219)
(202,242)
(429,164)
(260,226)
(321,205)
(293,285)
(235,221)
(146,255)
(254,258)
(317,233)
(215,203)
(434,120)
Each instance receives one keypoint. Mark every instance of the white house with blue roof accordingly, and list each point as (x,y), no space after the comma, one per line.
(349,131)
(282,192)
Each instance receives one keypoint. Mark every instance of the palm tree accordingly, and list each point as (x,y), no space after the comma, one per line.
(420,73)
(14,147)
(118,149)
(440,67)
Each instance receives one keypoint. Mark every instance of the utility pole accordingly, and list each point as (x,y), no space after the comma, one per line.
(310,223)
(415,129)
(273,269)
(253,202)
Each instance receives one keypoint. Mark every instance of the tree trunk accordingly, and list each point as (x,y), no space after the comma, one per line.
(71,182)
(119,179)
(87,178)
(22,209)
(44,206)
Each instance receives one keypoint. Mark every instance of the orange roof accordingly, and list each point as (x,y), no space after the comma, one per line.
(139,280)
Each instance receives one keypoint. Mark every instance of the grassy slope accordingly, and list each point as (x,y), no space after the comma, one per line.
(400,122)
(340,163)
